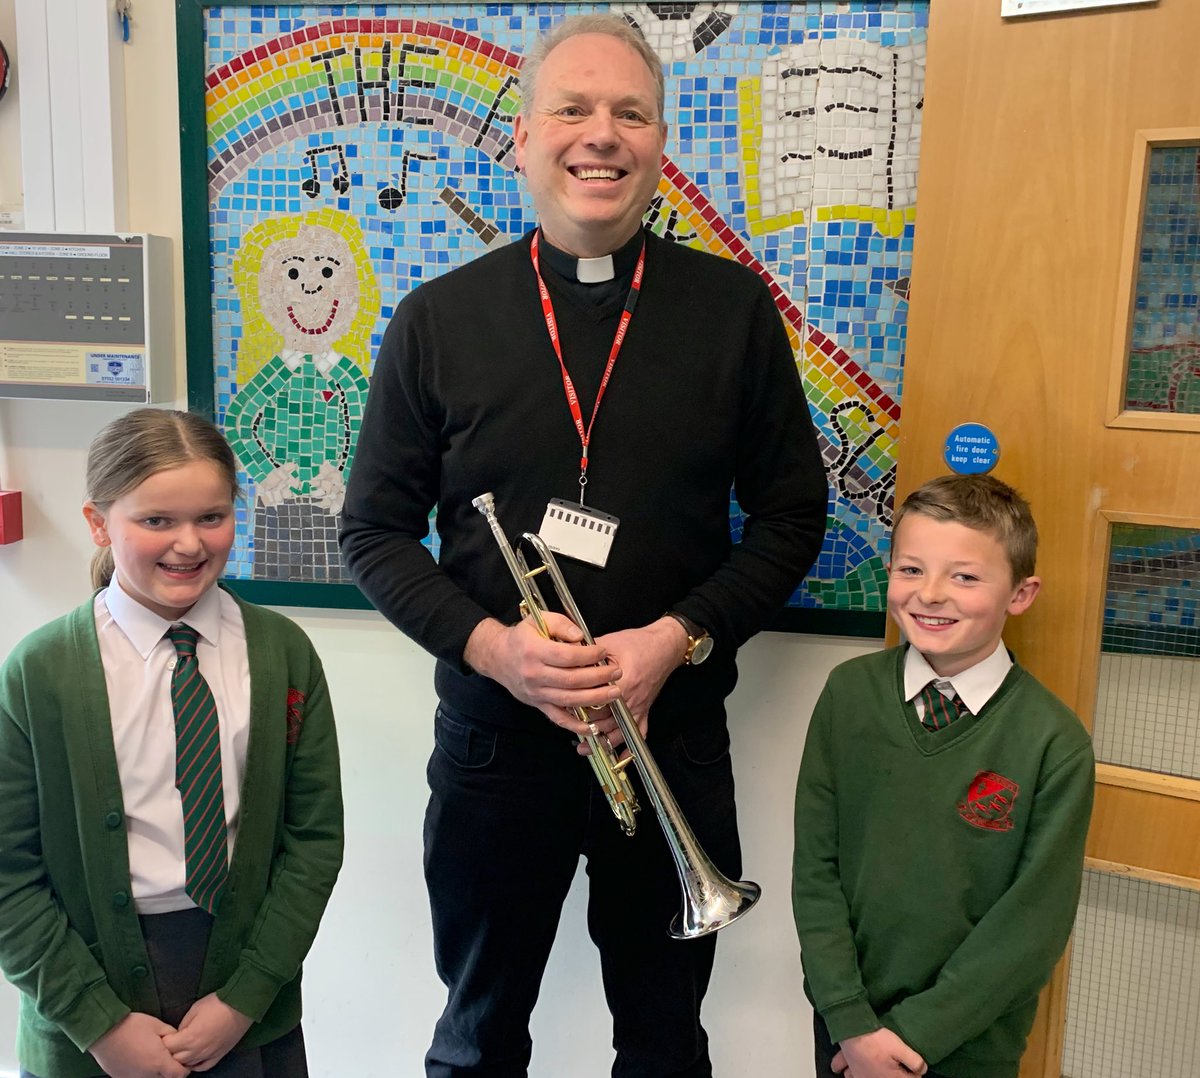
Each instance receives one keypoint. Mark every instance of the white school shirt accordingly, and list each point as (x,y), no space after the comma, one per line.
(138,664)
(975,686)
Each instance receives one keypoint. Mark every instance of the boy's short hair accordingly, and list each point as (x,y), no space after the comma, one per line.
(985,504)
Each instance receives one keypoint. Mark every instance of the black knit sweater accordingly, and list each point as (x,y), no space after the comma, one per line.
(467,397)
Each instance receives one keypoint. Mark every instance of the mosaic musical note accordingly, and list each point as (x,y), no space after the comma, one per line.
(311,186)
(392,197)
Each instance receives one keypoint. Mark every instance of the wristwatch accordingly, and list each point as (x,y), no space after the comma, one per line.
(700,644)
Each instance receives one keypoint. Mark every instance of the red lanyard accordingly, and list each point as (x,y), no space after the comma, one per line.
(585,434)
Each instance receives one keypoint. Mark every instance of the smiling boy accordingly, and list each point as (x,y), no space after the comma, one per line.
(941,810)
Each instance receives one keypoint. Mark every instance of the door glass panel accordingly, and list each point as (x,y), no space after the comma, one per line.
(1163,374)
(1134,988)
(1148,696)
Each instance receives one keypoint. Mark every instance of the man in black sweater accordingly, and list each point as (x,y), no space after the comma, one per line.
(589,358)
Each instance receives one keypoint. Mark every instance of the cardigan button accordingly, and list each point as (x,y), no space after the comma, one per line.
(120,900)
(112,821)
(139,971)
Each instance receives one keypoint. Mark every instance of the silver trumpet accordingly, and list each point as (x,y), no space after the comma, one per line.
(710,899)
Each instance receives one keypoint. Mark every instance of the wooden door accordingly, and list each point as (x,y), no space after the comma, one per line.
(1036,135)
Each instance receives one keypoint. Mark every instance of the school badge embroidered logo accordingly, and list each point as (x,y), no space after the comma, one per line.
(295,717)
(989,802)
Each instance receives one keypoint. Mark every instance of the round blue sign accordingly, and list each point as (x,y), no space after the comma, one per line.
(971,449)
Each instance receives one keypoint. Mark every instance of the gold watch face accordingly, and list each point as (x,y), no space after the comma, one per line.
(700,650)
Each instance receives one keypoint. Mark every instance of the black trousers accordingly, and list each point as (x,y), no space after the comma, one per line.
(825,1050)
(176,943)
(509,815)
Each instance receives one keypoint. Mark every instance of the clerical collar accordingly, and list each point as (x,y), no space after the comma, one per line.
(610,267)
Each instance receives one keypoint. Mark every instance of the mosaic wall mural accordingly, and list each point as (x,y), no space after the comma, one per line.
(1152,595)
(354,151)
(1164,352)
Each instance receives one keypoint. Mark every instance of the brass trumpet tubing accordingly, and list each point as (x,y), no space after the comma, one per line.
(531,599)
(618,790)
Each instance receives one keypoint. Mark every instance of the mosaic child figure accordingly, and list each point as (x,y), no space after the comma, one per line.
(309,300)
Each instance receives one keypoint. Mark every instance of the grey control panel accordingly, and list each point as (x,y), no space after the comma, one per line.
(85,317)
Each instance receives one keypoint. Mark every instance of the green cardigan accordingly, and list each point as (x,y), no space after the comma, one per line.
(936,874)
(69,934)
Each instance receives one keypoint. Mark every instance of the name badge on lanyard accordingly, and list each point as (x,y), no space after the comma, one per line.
(578,532)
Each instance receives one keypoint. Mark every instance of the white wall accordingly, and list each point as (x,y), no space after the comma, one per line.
(371,992)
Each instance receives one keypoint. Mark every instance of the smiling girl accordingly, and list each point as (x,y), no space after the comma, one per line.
(161,747)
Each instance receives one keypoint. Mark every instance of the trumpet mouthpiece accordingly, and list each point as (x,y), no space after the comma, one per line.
(485,503)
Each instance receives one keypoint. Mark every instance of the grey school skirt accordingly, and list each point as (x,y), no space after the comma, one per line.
(176,943)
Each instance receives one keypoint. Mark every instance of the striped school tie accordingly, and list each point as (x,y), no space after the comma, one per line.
(198,774)
(941,710)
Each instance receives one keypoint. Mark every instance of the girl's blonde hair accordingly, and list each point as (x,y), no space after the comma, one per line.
(140,444)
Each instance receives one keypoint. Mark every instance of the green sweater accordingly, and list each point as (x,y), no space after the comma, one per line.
(69,933)
(936,875)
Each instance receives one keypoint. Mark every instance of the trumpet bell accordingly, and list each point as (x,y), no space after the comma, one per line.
(711,905)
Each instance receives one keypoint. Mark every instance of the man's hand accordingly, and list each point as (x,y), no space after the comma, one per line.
(880,1054)
(134,1048)
(207,1033)
(646,656)
(278,485)
(552,675)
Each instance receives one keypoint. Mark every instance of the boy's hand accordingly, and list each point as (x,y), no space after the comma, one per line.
(208,1030)
(880,1054)
(134,1048)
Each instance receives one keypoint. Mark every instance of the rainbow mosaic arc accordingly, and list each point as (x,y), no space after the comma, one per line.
(258,99)
(328,91)
(291,67)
